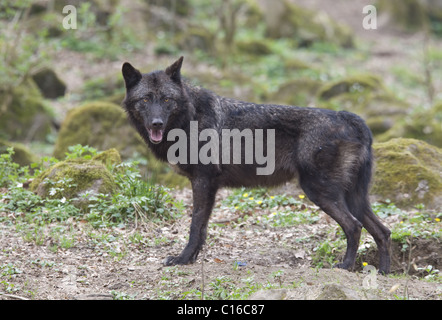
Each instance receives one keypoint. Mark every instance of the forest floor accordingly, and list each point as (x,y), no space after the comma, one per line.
(243,255)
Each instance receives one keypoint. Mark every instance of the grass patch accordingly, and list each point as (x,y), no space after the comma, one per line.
(136,199)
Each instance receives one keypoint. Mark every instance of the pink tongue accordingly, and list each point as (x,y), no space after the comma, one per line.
(156,135)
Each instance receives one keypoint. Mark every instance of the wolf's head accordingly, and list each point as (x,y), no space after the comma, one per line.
(152,99)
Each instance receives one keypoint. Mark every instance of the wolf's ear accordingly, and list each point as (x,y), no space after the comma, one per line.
(131,75)
(174,70)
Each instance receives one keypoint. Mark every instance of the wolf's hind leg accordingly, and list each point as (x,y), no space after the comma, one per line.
(331,200)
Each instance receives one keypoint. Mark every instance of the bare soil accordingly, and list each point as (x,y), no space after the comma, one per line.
(240,257)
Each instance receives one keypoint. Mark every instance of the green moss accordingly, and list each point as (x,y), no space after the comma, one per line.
(408,172)
(298,92)
(196,38)
(293,64)
(71,178)
(351,84)
(366,95)
(101,125)
(22,155)
(285,19)
(423,125)
(254,47)
(26,116)
(408,14)
(108,157)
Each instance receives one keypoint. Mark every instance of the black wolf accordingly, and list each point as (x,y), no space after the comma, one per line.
(329,152)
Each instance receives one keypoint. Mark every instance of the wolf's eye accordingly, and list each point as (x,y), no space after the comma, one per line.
(166,100)
(145,100)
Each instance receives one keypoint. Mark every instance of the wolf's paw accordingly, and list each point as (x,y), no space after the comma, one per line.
(343,265)
(172,261)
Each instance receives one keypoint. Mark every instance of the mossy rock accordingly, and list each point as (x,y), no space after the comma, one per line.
(49,83)
(351,84)
(408,14)
(293,64)
(104,125)
(108,157)
(422,125)
(412,15)
(284,19)
(408,172)
(196,38)
(379,124)
(101,125)
(254,47)
(76,178)
(23,114)
(297,92)
(22,155)
(366,95)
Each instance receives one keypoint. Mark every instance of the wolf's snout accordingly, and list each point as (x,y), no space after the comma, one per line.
(157,123)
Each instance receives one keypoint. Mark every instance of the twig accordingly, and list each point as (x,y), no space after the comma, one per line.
(234,219)
(13,296)
(202,272)
(427,63)
(408,268)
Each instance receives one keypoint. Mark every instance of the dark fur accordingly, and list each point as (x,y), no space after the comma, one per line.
(330,153)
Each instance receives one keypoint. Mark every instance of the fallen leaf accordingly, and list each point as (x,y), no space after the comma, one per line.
(394,288)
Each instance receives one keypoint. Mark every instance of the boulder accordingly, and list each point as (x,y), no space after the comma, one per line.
(351,84)
(365,95)
(196,38)
(74,178)
(284,19)
(23,114)
(423,125)
(254,47)
(108,157)
(22,155)
(333,291)
(412,15)
(49,83)
(408,172)
(297,92)
(269,294)
(101,125)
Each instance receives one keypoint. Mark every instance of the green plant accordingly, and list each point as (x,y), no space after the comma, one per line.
(136,199)
(327,252)
(80,152)
(277,275)
(9,270)
(11,172)
(432,274)
(122,295)
(107,39)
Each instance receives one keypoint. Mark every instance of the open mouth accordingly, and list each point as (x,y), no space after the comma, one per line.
(155,135)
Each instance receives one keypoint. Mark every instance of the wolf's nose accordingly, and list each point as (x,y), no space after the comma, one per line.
(157,123)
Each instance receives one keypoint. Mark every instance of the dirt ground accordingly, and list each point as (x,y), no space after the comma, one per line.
(239,259)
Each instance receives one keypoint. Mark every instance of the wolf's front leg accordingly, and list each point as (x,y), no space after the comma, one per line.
(204,191)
